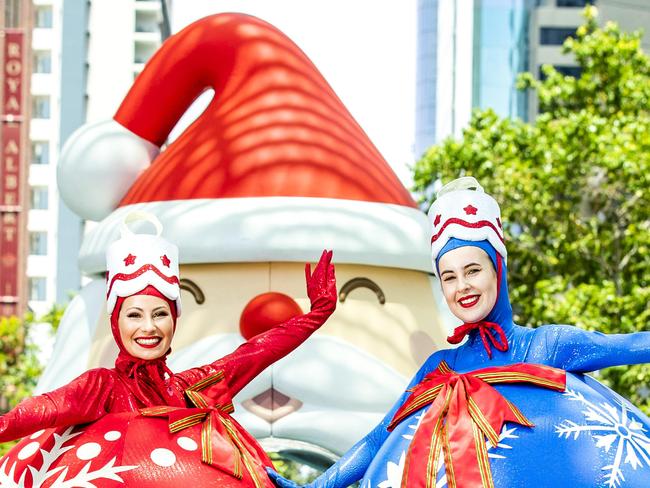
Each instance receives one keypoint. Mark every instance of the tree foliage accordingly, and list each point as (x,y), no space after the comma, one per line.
(294,470)
(573,187)
(19,364)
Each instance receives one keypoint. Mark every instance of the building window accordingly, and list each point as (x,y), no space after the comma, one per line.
(12,10)
(43,16)
(574,3)
(37,288)
(40,152)
(41,107)
(42,62)
(555,36)
(143,50)
(146,21)
(38,197)
(38,243)
(574,71)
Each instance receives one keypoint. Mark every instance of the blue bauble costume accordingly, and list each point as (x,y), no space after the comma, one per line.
(586,436)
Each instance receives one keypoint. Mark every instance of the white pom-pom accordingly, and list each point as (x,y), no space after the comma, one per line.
(98,165)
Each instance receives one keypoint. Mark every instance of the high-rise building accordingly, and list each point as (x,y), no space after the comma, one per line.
(553,21)
(506,37)
(41,269)
(469,55)
(85,57)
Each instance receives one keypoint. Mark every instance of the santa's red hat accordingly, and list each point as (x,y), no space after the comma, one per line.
(274,169)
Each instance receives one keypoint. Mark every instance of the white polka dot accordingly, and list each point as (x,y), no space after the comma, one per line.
(187,443)
(113,435)
(28,450)
(163,457)
(36,434)
(89,450)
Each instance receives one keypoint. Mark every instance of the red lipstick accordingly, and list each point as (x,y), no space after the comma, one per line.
(469,301)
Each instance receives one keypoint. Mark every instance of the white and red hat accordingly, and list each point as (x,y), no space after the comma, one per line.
(463,210)
(136,261)
(274,169)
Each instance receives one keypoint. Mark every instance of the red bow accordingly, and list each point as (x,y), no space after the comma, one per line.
(221,446)
(465,410)
(485,329)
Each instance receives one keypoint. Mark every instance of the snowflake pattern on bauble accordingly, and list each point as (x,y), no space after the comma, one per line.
(83,478)
(614,430)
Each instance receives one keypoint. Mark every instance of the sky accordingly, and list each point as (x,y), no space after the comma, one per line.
(365,49)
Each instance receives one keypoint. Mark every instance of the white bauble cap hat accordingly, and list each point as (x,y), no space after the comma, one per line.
(136,261)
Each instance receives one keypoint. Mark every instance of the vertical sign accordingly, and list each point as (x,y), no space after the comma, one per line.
(10,171)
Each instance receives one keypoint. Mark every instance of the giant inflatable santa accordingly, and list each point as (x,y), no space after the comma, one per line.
(273,171)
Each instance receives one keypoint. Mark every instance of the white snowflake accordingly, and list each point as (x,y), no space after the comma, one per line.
(610,427)
(414,427)
(39,476)
(394,471)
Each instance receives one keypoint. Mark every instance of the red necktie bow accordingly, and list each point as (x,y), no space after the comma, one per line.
(221,446)
(464,410)
(486,329)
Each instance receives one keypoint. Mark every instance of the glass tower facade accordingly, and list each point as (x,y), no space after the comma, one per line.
(500,54)
(499,51)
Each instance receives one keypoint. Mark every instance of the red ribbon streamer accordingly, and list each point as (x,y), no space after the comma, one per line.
(486,330)
(464,410)
(221,446)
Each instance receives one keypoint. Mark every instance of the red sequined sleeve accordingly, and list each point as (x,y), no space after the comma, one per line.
(254,356)
(82,400)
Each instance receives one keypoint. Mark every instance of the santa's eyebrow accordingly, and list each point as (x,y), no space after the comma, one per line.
(362,282)
(188,285)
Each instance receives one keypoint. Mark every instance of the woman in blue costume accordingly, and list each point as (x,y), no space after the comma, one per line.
(586,436)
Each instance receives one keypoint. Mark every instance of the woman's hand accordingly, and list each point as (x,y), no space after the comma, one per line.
(279,480)
(321,284)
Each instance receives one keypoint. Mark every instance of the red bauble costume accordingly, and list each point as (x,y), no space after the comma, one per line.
(196,403)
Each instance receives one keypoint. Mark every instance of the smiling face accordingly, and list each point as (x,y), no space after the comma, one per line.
(146,326)
(469,283)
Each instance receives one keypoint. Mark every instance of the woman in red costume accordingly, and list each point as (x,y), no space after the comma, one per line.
(143,300)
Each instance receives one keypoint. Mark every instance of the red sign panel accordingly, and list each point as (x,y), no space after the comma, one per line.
(10,171)
(13,74)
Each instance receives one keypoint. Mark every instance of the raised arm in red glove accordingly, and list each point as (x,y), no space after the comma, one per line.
(254,356)
(139,377)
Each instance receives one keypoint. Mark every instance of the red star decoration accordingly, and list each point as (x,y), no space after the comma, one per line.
(165,260)
(436,221)
(129,260)
(470,210)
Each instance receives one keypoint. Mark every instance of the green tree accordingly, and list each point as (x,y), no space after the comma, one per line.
(574,191)
(19,364)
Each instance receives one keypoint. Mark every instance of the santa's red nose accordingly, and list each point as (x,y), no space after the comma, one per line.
(265,311)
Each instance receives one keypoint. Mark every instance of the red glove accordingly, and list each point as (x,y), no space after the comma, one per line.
(321,285)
